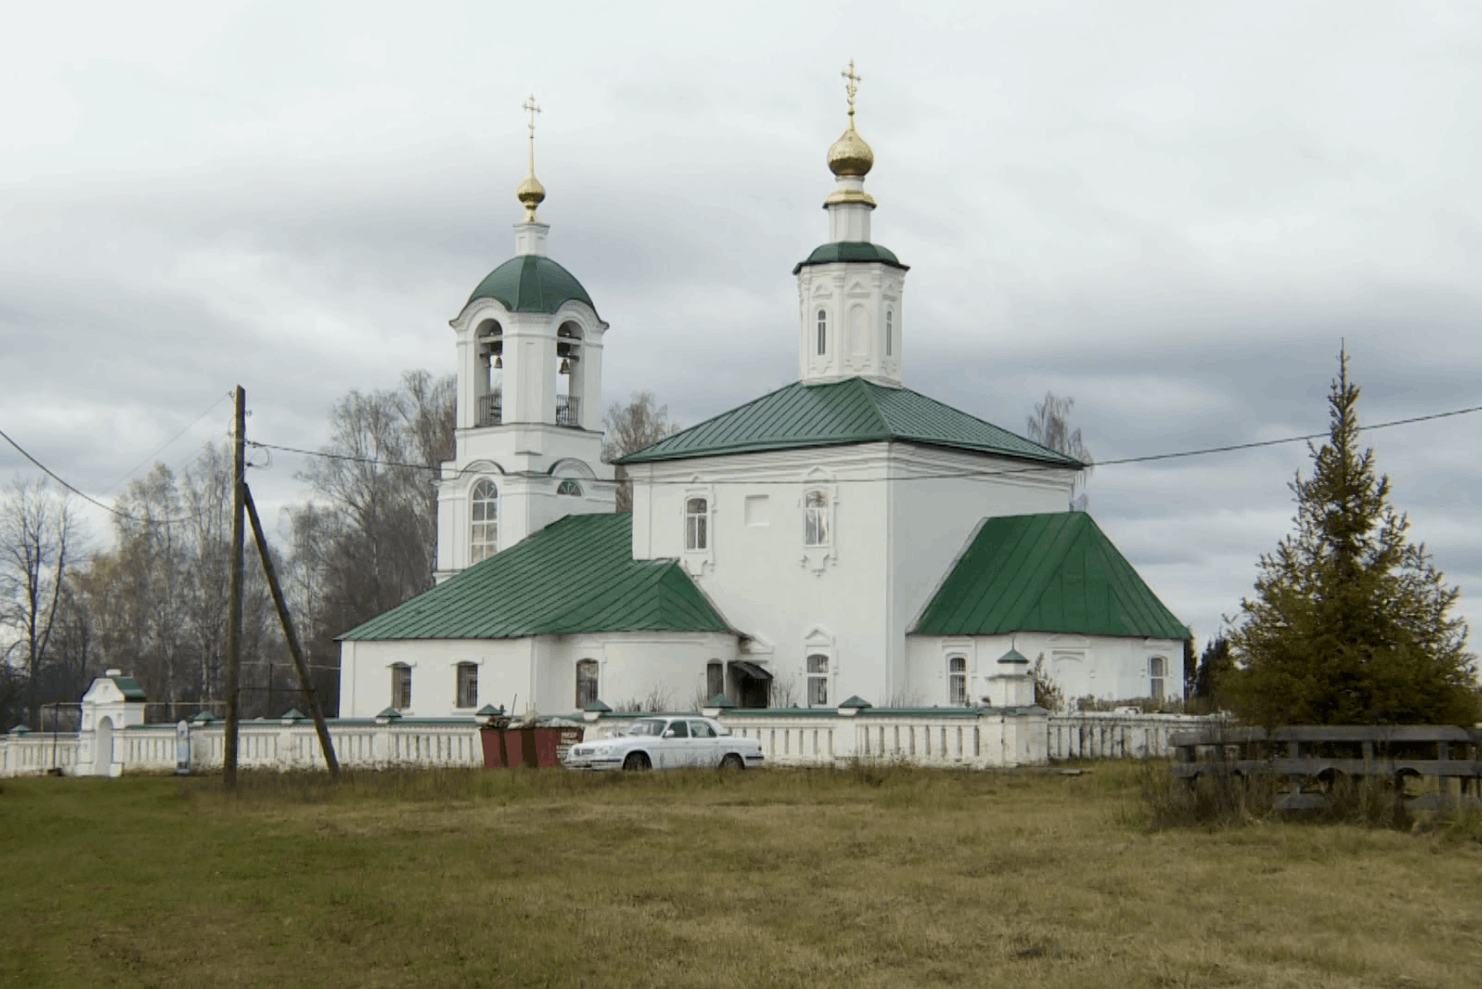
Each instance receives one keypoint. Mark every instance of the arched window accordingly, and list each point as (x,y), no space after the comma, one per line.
(822,332)
(1157,670)
(696,515)
(586,683)
(889,332)
(569,487)
(817,680)
(815,519)
(484,505)
(401,686)
(468,685)
(957,680)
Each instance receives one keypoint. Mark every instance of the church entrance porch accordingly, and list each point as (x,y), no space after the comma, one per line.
(753,684)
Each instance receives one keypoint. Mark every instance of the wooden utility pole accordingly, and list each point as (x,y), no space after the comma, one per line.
(325,743)
(234,619)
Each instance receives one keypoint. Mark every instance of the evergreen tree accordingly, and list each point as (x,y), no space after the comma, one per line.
(1214,664)
(1351,622)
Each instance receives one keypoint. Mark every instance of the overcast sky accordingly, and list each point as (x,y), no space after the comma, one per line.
(1171,211)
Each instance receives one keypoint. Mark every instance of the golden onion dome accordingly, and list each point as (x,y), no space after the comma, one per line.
(850,155)
(531,193)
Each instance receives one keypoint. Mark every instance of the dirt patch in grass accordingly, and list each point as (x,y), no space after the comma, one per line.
(872,877)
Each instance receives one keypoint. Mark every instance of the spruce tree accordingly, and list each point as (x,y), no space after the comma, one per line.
(1350,622)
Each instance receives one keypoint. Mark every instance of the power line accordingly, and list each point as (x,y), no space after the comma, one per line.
(89,498)
(224,396)
(1145,458)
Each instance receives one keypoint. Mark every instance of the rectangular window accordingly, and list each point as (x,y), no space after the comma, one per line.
(468,685)
(401,686)
(815,519)
(586,684)
(957,681)
(1157,670)
(696,516)
(817,681)
(715,680)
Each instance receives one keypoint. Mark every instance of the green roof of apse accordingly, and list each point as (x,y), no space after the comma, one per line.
(850,250)
(1055,572)
(531,283)
(850,411)
(576,575)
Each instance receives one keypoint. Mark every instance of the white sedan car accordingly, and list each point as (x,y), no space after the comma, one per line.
(669,742)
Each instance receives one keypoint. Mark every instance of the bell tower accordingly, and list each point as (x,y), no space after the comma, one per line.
(849,289)
(529,427)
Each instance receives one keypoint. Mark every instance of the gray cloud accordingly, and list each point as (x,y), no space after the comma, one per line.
(1171,214)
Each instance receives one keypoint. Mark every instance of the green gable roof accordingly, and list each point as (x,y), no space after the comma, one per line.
(129,687)
(849,411)
(1055,572)
(576,575)
(850,250)
(531,283)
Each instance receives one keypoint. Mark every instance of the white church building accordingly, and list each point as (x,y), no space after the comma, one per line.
(841,537)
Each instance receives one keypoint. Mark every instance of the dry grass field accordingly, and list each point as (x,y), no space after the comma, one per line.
(810,879)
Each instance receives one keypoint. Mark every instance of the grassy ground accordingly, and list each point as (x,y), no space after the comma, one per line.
(864,878)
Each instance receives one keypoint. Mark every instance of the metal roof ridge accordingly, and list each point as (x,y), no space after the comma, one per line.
(688,430)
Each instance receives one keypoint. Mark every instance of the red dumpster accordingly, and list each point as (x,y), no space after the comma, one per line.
(537,748)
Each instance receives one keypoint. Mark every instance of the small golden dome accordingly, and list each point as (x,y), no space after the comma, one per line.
(850,155)
(531,193)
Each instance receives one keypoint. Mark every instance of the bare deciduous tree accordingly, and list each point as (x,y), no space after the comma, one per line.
(1050,427)
(628,429)
(39,536)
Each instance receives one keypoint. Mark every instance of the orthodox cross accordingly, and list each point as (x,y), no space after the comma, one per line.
(852,86)
(530,106)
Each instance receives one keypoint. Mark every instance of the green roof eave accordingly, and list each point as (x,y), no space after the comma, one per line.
(577,575)
(839,413)
(532,283)
(1055,572)
(850,251)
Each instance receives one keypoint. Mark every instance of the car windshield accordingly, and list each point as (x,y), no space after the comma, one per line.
(647,726)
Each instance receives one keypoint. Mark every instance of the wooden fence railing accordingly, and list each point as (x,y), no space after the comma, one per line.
(1315,760)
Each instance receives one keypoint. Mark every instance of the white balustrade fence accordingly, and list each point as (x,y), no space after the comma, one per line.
(37,753)
(115,741)
(1114,735)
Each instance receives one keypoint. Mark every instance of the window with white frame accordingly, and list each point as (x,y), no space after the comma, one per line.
(817,680)
(815,519)
(569,487)
(586,683)
(957,680)
(484,515)
(696,519)
(1157,671)
(401,686)
(822,331)
(468,684)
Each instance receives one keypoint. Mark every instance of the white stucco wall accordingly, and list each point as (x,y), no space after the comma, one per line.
(536,673)
(1104,667)
(892,544)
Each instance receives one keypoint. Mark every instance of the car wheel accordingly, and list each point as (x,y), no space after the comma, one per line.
(636,762)
(732,762)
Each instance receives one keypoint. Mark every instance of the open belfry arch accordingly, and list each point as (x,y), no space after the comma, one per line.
(841,541)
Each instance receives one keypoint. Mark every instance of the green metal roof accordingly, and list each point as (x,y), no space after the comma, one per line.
(531,283)
(130,687)
(1055,572)
(849,411)
(850,250)
(576,575)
